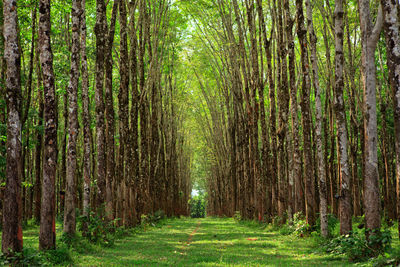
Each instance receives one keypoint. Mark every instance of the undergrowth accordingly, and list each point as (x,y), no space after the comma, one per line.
(100,234)
(355,246)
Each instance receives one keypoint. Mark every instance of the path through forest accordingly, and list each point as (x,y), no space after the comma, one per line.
(210,242)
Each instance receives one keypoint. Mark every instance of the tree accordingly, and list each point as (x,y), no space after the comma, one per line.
(124,168)
(391,24)
(345,189)
(47,238)
(306,114)
(323,205)
(369,39)
(73,127)
(85,118)
(100,31)
(12,209)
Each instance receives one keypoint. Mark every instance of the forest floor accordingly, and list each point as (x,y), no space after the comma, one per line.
(210,242)
(198,242)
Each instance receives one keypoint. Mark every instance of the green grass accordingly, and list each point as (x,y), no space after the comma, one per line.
(198,242)
(217,242)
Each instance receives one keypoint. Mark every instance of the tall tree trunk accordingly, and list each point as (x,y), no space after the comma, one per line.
(283,111)
(73,127)
(391,25)
(12,207)
(110,122)
(369,39)
(124,169)
(306,113)
(39,146)
(62,171)
(47,237)
(133,142)
(100,31)
(354,124)
(345,189)
(272,120)
(323,205)
(85,119)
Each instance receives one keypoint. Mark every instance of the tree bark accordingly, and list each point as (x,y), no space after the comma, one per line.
(391,25)
(306,113)
(369,39)
(109,112)
(100,31)
(133,143)
(47,237)
(85,119)
(39,146)
(323,205)
(73,127)
(345,189)
(12,207)
(124,169)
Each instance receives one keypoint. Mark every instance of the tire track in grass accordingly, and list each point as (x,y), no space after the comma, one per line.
(187,244)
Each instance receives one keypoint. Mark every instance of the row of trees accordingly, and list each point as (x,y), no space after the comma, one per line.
(92,119)
(324,137)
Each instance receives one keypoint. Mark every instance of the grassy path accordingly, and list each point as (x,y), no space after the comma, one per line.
(208,242)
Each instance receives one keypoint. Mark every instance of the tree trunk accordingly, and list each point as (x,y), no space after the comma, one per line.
(73,127)
(306,113)
(12,207)
(345,188)
(369,39)
(124,169)
(283,94)
(133,142)
(323,205)
(85,119)
(47,237)
(391,25)
(110,122)
(100,31)
(39,150)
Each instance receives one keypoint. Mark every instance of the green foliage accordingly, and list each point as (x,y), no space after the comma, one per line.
(198,206)
(298,226)
(32,257)
(237,216)
(153,219)
(100,230)
(278,221)
(387,260)
(333,223)
(357,248)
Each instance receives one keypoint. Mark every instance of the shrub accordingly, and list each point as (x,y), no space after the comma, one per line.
(357,248)
(278,221)
(333,222)
(99,229)
(32,257)
(298,226)
(153,219)
(198,206)
(237,216)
